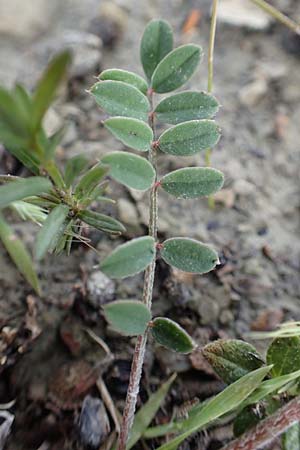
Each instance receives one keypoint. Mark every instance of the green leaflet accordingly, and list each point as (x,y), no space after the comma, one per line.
(189,138)
(131,170)
(189,255)
(19,189)
(130,258)
(186,106)
(125,76)
(192,182)
(74,167)
(169,334)
(223,403)
(128,317)
(102,222)
(132,132)
(46,89)
(90,180)
(147,412)
(176,68)
(19,254)
(121,99)
(51,230)
(291,438)
(13,118)
(232,358)
(284,354)
(156,43)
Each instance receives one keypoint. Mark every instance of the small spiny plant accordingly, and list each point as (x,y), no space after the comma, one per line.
(57,201)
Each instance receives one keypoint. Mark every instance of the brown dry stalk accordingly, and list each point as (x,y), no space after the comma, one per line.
(268,429)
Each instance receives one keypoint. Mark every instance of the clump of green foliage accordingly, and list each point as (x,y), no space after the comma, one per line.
(57,200)
(131,103)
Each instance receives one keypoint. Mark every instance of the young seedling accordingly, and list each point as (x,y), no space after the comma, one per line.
(58,201)
(131,103)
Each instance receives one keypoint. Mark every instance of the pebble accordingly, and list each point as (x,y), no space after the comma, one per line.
(243,187)
(100,289)
(253,92)
(127,212)
(52,122)
(93,423)
(240,13)
(209,311)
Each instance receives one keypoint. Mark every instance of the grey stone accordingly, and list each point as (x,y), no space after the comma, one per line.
(100,289)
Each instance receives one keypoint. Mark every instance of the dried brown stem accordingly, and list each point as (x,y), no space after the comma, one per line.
(267,430)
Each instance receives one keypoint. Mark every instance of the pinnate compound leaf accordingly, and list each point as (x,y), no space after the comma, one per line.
(192,182)
(228,400)
(130,258)
(47,86)
(156,43)
(19,254)
(189,255)
(231,359)
(90,180)
(102,222)
(19,189)
(147,412)
(176,68)
(189,138)
(132,132)
(51,230)
(128,317)
(131,170)
(284,354)
(169,334)
(121,99)
(185,106)
(125,76)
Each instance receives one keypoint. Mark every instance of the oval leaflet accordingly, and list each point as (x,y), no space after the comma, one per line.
(169,334)
(128,317)
(130,258)
(192,182)
(125,76)
(132,132)
(189,255)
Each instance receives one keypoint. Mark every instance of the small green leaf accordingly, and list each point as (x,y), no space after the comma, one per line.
(121,99)
(192,182)
(130,258)
(131,170)
(189,138)
(156,43)
(18,253)
(291,438)
(132,132)
(245,420)
(102,222)
(12,114)
(186,106)
(74,167)
(169,334)
(147,412)
(46,89)
(223,403)
(189,255)
(90,180)
(284,354)
(19,189)
(128,317)
(51,230)
(176,68)
(231,358)
(125,76)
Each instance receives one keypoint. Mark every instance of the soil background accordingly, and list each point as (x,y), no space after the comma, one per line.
(254,227)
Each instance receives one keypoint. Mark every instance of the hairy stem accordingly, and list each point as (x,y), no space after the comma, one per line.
(212,36)
(140,347)
(269,9)
(267,430)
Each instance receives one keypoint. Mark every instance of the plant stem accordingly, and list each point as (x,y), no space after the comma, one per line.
(269,9)
(212,36)
(268,429)
(140,347)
